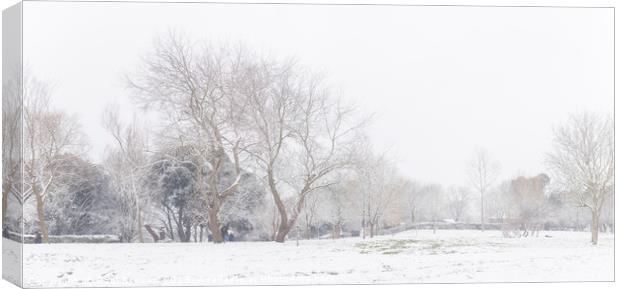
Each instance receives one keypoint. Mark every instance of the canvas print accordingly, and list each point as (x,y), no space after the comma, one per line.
(201,144)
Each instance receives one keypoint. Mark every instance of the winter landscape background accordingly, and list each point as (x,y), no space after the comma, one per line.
(219,144)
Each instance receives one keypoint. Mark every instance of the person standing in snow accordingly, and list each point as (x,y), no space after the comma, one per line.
(224,231)
(37,237)
(231,235)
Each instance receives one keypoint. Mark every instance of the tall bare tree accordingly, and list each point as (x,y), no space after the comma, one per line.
(126,163)
(435,195)
(336,215)
(412,198)
(49,136)
(482,172)
(582,162)
(458,201)
(196,87)
(381,187)
(341,204)
(11,142)
(311,215)
(300,134)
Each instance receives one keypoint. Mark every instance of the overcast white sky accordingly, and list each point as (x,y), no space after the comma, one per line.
(441,80)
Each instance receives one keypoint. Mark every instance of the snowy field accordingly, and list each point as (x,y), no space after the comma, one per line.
(11,255)
(407,257)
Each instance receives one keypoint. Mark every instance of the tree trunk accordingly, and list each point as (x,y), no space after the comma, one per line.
(594,228)
(283,227)
(170,230)
(372,229)
(337,231)
(318,232)
(188,232)
(363,229)
(41,218)
(152,232)
(482,210)
(179,222)
(214,226)
(140,235)
(5,198)
(286,225)
(138,209)
(283,230)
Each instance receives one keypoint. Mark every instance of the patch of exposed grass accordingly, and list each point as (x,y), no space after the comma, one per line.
(391,252)
(387,247)
(396,246)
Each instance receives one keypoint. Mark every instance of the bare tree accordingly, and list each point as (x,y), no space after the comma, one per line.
(11,143)
(337,214)
(225,101)
(458,202)
(435,201)
(310,215)
(525,202)
(497,202)
(300,137)
(413,199)
(582,162)
(381,188)
(482,172)
(197,88)
(49,136)
(126,164)
(340,204)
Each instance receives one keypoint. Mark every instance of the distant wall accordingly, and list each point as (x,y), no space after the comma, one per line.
(68,238)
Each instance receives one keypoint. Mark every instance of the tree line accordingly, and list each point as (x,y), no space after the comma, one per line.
(263,146)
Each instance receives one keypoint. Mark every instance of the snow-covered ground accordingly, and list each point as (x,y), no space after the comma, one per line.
(407,257)
(11,261)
